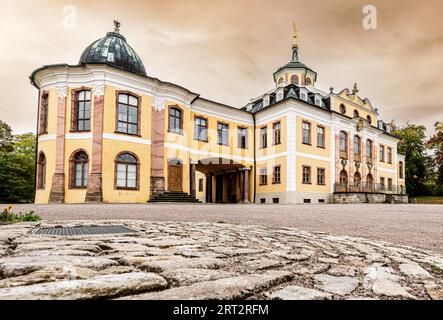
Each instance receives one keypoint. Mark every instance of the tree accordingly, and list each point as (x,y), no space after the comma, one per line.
(17,169)
(413,145)
(435,143)
(5,136)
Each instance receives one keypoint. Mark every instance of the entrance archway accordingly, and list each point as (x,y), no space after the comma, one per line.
(227,181)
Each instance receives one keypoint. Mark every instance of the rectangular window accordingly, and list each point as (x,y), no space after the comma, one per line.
(262,200)
(44,114)
(127,114)
(306,200)
(306,174)
(200,129)
(175,120)
(320,137)
(275,200)
(306,133)
(390,184)
(264,137)
(321,176)
(82,111)
(382,153)
(223,134)
(263,176)
(382,183)
(389,155)
(276,129)
(242,138)
(200,185)
(276,175)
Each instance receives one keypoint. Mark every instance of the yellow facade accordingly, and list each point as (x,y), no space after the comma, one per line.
(169,160)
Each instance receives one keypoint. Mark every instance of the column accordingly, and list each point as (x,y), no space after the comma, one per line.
(94,192)
(192,178)
(157,145)
(57,194)
(246,185)
(209,188)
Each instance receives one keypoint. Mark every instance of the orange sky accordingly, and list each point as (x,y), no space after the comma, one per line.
(227,50)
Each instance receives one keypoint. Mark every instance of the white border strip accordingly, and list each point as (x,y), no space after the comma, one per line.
(46,137)
(125,138)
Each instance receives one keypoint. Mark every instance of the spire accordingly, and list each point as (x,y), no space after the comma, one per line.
(294,35)
(294,43)
(355,89)
(117,26)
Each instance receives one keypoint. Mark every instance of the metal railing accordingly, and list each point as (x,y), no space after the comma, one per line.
(369,188)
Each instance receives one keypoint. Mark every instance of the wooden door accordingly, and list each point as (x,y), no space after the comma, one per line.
(175,177)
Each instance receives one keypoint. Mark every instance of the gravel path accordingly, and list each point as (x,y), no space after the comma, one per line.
(416,225)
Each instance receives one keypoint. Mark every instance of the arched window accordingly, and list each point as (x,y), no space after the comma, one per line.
(281,80)
(294,79)
(370,182)
(343,180)
(81,111)
(357,181)
(369,119)
(126,171)
(128,118)
(308,81)
(369,150)
(356,114)
(343,145)
(175,120)
(79,170)
(41,171)
(357,148)
(342,109)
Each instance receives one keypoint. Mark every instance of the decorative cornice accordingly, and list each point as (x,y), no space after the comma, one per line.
(99,90)
(62,91)
(158,104)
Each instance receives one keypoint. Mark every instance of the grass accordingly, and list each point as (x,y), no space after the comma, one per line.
(8,216)
(427,200)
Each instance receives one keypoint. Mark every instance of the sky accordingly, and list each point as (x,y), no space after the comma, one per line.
(227,50)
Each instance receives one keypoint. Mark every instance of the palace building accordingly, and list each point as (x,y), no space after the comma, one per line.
(108,132)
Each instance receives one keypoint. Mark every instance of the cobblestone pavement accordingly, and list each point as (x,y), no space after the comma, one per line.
(415,225)
(167,260)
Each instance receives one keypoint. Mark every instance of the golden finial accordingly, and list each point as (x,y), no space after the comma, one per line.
(117,26)
(294,35)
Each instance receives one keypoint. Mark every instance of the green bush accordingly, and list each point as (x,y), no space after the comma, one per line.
(8,216)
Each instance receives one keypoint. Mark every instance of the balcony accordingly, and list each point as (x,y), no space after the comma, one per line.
(368,188)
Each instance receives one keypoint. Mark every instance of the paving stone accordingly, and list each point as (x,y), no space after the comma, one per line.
(390,288)
(233,251)
(16,266)
(414,270)
(187,276)
(224,289)
(263,263)
(342,271)
(300,293)
(99,287)
(337,285)
(163,263)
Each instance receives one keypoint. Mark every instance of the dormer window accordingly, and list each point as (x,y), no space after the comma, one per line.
(266,101)
(280,95)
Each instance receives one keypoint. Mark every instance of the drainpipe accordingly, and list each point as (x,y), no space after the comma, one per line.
(36,137)
(255,161)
